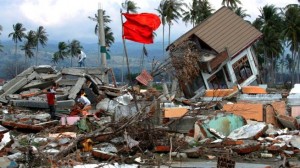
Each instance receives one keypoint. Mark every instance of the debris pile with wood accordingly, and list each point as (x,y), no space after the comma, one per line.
(136,126)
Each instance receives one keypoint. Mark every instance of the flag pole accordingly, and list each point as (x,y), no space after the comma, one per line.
(127,62)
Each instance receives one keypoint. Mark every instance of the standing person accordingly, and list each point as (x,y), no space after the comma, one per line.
(84,102)
(51,102)
(81,57)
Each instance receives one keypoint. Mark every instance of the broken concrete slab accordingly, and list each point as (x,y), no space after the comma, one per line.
(295,141)
(47,76)
(15,80)
(249,131)
(288,121)
(67,82)
(41,104)
(75,89)
(37,84)
(262,98)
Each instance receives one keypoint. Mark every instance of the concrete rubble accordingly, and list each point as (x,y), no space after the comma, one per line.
(152,130)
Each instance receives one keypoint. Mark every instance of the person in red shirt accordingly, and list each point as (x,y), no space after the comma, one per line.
(51,102)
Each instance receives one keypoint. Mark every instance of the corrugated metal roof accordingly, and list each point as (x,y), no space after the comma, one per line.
(224,29)
(144,78)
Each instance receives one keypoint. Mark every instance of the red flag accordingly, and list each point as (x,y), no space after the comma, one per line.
(145,19)
(140,27)
(137,33)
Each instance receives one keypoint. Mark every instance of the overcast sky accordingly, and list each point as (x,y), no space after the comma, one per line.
(68,19)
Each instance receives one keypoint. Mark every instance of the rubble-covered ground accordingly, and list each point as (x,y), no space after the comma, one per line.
(134,127)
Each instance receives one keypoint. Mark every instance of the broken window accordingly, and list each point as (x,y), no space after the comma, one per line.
(242,69)
(217,81)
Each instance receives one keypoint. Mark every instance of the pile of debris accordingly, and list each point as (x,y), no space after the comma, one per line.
(140,126)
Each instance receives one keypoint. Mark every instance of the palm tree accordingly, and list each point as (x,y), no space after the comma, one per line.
(198,11)
(41,38)
(291,31)
(241,12)
(109,36)
(62,52)
(172,11)
(289,63)
(231,3)
(282,63)
(74,47)
(270,24)
(17,35)
(162,15)
(130,6)
(29,45)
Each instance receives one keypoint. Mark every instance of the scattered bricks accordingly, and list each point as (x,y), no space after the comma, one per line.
(225,163)
(230,142)
(104,155)
(162,148)
(276,148)
(247,110)
(248,147)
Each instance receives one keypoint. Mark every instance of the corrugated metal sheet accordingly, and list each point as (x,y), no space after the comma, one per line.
(144,78)
(224,29)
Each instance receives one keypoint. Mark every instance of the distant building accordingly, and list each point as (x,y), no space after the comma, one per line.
(225,56)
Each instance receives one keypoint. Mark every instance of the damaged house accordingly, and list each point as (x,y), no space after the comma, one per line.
(216,54)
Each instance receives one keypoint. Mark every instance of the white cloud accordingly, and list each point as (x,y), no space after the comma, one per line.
(68,19)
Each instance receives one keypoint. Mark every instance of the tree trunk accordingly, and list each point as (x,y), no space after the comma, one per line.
(36,54)
(169,33)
